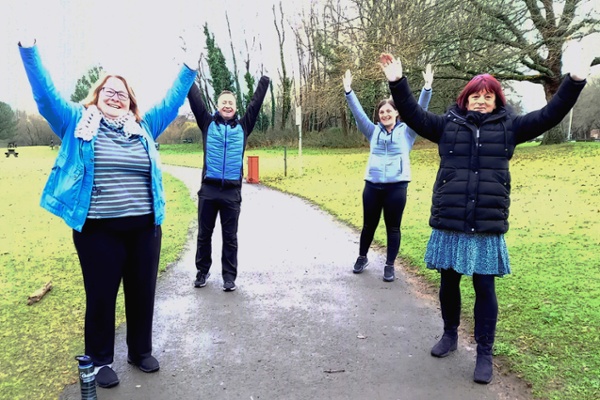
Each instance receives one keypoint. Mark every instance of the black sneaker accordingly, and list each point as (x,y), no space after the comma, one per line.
(229,286)
(201,279)
(106,377)
(360,265)
(389,274)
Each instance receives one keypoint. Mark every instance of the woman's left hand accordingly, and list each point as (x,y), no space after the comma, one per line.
(580,60)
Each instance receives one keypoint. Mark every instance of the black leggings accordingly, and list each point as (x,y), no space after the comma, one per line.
(486,303)
(391,198)
(110,250)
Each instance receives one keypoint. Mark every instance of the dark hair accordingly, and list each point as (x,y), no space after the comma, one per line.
(227,92)
(382,103)
(481,82)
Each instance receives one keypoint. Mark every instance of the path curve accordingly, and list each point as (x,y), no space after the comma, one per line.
(300,325)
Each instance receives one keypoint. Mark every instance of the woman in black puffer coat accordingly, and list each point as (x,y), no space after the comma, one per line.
(471,196)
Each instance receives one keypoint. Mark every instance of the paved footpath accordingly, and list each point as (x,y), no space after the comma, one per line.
(300,325)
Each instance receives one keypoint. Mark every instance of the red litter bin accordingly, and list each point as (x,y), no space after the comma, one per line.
(252,170)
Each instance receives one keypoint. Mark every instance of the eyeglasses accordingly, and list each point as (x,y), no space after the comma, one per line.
(110,93)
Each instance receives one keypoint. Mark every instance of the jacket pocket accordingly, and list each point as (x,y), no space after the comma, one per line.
(65,181)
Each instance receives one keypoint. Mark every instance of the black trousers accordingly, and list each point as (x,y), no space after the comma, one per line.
(226,203)
(391,199)
(111,250)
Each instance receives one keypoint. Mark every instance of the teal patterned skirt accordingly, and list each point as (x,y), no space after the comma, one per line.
(468,254)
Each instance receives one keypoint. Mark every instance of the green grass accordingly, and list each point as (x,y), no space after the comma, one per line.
(38,342)
(549,323)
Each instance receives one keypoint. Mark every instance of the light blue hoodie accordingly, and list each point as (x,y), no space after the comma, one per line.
(389,160)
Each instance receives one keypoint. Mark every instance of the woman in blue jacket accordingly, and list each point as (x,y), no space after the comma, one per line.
(106,184)
(388,171)
(471,196)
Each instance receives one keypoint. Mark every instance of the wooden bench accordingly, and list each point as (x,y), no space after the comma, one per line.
(11,151)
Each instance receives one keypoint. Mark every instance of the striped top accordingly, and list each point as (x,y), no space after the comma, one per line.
(121,176)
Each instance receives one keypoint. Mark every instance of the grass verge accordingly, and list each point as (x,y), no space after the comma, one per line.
(38,342)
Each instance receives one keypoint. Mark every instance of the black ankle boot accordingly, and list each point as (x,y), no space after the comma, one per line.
(484,366)
(447,343)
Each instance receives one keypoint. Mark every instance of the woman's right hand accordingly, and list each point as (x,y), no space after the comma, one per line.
(347,79)
(391,67)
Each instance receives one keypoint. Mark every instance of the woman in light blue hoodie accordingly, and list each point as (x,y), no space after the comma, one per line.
(388,171)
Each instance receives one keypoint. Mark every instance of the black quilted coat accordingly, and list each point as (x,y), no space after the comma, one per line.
(472,188)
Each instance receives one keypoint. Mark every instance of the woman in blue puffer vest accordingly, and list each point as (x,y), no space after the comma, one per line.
(388,171)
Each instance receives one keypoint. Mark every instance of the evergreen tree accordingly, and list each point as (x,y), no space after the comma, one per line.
(8,122)
(221,78)
(83,85)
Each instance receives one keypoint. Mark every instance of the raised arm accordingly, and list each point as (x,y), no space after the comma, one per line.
(533,124)
(249,119)
(162,114)
(57,110)
(203,117)
(364,123)
(424,123)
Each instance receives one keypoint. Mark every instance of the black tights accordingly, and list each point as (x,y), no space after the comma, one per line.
(486,303)
(391,199)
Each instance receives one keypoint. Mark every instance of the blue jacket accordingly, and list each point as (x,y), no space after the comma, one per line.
(224,142)
(68,191)
(389,160)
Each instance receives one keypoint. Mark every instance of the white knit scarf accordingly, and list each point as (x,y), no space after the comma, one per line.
(89,123)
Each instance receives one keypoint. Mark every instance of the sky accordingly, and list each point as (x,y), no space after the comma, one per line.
(139,39)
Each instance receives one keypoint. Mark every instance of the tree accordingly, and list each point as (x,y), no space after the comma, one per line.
(521,40)
(83,85)
(238,91)
(221,78)
(8,122)
(286,81)
(586,117)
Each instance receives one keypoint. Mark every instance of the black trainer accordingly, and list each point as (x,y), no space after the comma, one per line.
(106,377)
(389,274)
(229,286)
(360,264)
(201,279)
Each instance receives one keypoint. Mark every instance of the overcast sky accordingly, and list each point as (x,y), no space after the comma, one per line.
(136,38)
(140,40)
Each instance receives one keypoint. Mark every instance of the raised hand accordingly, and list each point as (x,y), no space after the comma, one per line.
(391,67)
(580,61)
(428,77)
(347,79)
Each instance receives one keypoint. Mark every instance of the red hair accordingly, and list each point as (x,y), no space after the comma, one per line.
(481,82)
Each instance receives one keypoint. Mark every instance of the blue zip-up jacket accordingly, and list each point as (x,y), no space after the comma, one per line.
(68,191)
(389,160)
(224,142)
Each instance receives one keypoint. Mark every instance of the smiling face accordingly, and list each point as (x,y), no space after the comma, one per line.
(113,98)
(482,101)
(226,106)
(388,116)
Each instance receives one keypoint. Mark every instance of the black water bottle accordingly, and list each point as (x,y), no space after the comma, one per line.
(87,379)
